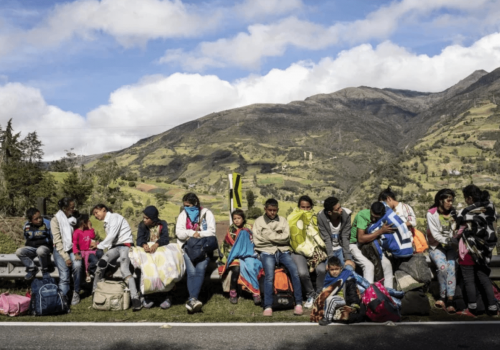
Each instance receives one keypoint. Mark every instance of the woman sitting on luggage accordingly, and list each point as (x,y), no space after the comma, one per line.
(152,233)
(441,227)
(38,244)
(308,255)
(194,222)
(240,259)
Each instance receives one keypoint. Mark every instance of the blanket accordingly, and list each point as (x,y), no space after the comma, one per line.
(479,234)
(160,270)
(304,233)
(250,267)
(399,243)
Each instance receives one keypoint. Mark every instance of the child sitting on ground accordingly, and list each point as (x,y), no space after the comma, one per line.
(243,255)
(339,296)
(82,237)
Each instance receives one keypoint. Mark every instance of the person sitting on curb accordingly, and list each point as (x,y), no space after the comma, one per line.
(272,242)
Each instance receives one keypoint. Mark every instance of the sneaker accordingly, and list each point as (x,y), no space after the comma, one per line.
(193,305)
(298,311)
(167,303)
(466,312)
(309,302)
(268,312)
(256,299)
(136,304)
(147,303)
(30,276)
(88,279)
(492,313)
(233,296)
(324,322)
(76,298)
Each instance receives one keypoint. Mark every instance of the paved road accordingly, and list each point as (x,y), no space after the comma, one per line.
(357,337)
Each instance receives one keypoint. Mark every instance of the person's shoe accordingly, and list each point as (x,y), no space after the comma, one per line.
(76,298)
(193,305)
(136,304)
(309,302)
(324,322)
(167,303)
(466,312)
(298,311)
(88,279)
(233,296)
(256,299)
(492,313)
(268,312)
(147,304)
(30,276)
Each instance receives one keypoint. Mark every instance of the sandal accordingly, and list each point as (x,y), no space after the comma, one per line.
(450,307)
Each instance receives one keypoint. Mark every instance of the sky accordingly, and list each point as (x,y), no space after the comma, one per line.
(97,76)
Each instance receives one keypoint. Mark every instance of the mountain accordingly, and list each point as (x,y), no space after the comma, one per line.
(328,143)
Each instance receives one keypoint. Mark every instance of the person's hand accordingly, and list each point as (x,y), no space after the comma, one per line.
(68,263)
(408,224)
(350,263)
(78,257)
(196,235)
(146,248)
(93,245)
(153,248)
(387,229)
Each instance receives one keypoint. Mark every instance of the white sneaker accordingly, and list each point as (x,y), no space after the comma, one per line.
(309,303)
(76,299)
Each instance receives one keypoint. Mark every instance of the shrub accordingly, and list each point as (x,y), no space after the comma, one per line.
(254,213)
(131,184)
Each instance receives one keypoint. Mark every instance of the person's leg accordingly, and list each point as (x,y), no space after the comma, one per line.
(235,274)
(305,278)
(439,259)
(332,303)
(361,260)
(320,276)
(388,276)
(268,263)
(196,280)
(43,253)
(287,261)
(102,264)
(486,286)
(64,272)
(26,255)
(76,268)
(470,286)
(339,254)
(125,270)
(451,277)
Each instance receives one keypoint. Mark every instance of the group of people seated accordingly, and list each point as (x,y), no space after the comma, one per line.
(322,252)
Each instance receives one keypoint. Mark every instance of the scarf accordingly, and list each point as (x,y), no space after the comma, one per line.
(193,214)
(479,232)
(342,278)
(66,230)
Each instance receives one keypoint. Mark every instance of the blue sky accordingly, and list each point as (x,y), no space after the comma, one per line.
(99,75)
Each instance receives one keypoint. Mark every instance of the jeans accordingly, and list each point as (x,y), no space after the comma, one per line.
(195,276)
(445,262)
(305,278)
(65,272)
(118,253)
(369,269)
(27,254)
(269,262)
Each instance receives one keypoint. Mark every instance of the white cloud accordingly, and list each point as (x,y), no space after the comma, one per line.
(158,103)
(252,9)
(130,22)
(248,49)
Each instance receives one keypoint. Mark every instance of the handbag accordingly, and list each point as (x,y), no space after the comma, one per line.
(198,248)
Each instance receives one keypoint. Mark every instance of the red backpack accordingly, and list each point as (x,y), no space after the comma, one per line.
(379,305)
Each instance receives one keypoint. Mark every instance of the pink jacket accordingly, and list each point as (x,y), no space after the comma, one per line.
(82,239)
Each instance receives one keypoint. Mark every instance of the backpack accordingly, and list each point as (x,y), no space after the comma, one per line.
(379,305)
(419,242)
(283,298)
(111,296)
(14,305)
(415,302)
(47,298)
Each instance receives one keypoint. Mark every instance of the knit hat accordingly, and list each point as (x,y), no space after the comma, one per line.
(151,212)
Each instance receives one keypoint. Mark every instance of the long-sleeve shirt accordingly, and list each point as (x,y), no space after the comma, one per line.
(437,233)
(184,233)
(345,232)
(271,235)
(144,234)
(117,231)
(82,240)
(406,213)
(58,239)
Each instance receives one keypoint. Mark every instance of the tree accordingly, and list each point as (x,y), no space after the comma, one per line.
(106,171)
(250,198)
(77,186)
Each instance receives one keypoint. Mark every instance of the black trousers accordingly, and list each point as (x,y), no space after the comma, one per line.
(476,277)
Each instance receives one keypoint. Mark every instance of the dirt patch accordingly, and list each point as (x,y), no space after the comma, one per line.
(221,230)
(145,187)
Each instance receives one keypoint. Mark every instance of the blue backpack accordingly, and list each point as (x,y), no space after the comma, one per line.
(47,298)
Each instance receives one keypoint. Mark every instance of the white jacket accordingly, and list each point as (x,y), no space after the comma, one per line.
(117,231)
(183,233)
